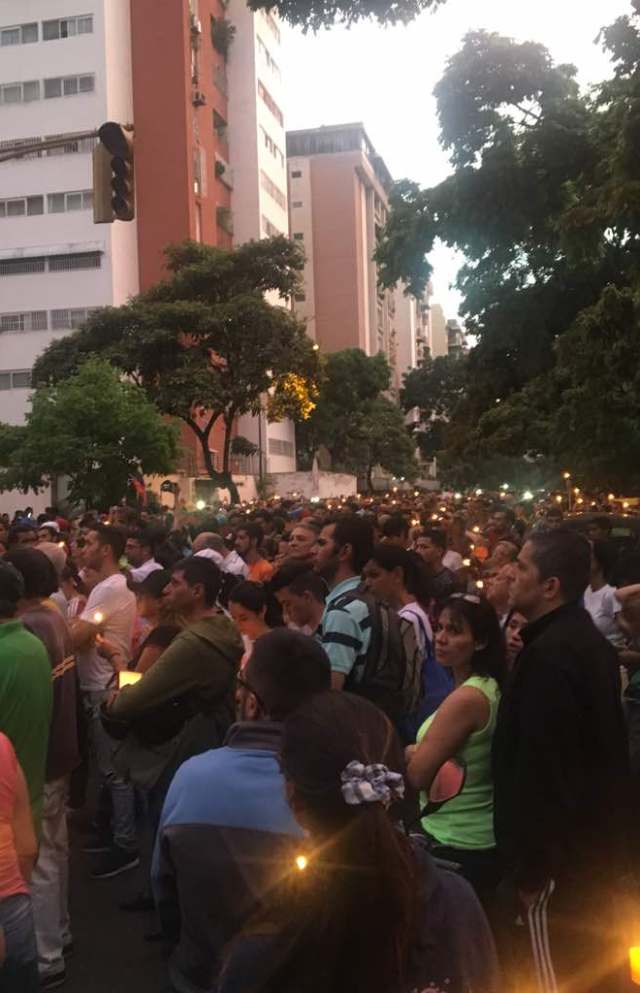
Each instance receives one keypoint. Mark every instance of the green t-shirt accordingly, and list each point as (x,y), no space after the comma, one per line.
(467,820)
(25,705)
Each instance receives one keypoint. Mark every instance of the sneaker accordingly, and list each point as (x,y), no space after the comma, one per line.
(115,861)
(98,844)
(53,980)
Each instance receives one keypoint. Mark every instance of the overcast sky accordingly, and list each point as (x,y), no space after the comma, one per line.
(384,77)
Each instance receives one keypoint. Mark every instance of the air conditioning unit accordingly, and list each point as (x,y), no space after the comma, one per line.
(198,99)
(196,25)
(224,172)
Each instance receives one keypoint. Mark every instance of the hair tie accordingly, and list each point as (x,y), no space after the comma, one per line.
(370,784)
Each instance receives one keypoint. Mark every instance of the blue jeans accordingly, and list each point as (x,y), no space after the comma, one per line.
(19,974)
(123,818)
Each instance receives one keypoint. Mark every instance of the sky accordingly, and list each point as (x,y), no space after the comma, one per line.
(384,77)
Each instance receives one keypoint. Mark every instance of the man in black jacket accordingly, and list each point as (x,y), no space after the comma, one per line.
(560,767)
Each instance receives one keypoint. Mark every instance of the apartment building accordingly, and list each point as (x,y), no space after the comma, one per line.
(338,203)
(66,66)
(257,155)
(413,328)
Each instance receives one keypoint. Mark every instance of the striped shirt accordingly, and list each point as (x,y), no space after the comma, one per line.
(345,630)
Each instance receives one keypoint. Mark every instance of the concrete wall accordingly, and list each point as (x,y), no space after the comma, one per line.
(330,484)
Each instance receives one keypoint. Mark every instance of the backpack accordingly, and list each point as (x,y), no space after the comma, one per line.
(390,673)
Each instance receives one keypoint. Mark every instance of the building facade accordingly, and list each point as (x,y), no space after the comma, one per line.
(338,203)
(166,68)
(413,328)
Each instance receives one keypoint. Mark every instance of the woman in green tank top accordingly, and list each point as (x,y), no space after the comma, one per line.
(468,641)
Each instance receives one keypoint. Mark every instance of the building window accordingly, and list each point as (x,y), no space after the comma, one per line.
(76,260)
(296,174)
(269,229)
(21,206)
(61,203)
(21,34)
(279,447)
(74,145)
(220,126)
(70,319)
(273,27)
(267,56)
(69,86)
(300,297)
(297,203)
(20,92)
(298,236)
(274,191)
(268,100)
(30,320)
(67,27)
(22,267)
(19,380)
(271,146)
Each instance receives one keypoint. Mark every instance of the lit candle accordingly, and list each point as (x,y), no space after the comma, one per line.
(479,585)
(634,964)
(466,563)
(98,617)
(302,862)
(126,678)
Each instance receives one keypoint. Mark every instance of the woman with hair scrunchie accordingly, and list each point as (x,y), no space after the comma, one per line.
(360,909)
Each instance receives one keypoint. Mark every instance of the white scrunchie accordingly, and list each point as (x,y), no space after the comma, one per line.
(370,784)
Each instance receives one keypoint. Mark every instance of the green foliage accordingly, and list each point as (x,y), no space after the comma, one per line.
(222,35)
(204,344)
(242,446)
(316,14)
(94,428)
(544,204)
(354,421)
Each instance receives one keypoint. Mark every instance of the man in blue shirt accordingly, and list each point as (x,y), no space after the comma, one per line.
(226,824)
(342,550)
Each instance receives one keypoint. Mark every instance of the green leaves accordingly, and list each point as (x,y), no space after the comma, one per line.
(316,14)
(93,427)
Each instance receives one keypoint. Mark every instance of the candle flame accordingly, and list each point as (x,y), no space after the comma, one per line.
(302,862)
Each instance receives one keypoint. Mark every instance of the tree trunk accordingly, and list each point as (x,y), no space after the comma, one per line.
(222,479)
(370,479)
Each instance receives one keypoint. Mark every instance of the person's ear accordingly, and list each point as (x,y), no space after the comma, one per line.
(252,707)
(551,588)
(345,552)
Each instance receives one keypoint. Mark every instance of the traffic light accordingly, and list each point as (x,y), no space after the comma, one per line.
(113,175)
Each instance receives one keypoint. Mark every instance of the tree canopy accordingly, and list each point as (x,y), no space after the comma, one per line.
(544,204)
(92,427)
(316,14)
(204,344)
(353,419)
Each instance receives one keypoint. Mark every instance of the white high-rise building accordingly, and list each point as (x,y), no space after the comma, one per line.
(257,153)
(65,68)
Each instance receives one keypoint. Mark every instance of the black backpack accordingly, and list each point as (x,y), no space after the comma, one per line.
(390,673)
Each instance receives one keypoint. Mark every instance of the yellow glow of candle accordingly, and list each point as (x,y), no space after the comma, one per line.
(476,530)
(126,678)
(634,964)
(302,862)
(466,563)
(479,585)
(98,617)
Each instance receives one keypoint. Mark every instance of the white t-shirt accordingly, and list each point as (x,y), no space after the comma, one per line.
(117,604)
(210,553)
(603,605)
(236,565)
(452,560)
(144,570)
(413,611)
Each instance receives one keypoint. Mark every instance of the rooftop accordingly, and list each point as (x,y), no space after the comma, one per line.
(336,138)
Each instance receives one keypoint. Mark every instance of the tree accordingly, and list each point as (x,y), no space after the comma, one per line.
(383,440)
(95,428)
(205,344)
(316,14)
(435,388)
(349,380)
(544,203)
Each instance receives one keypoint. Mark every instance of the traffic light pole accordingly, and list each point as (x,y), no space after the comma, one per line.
(19,150)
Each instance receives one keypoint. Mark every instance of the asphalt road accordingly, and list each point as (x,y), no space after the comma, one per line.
(110,954)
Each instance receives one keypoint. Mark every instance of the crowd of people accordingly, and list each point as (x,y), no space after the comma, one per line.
(381,746)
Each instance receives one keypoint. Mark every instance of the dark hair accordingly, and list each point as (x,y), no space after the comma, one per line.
(11,589)
(395,526)
(37,570)
(416,580)
(309,582)
(436,535)
(485,628)
(351,917)
(154,584)
(256,597)
(606,557)
(309,524)
(285,669)
(17,529)
(200,571)
(253,530)
(144,537)
(565,555)
(114,537)
(354,531)
(286,574)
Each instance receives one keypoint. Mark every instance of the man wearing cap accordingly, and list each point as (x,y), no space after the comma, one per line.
(26,697)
